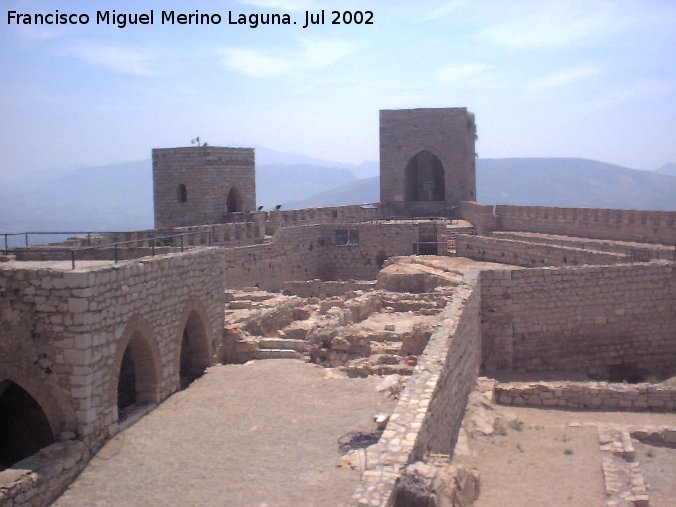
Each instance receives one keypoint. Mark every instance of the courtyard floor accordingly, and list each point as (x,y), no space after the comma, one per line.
(262,434)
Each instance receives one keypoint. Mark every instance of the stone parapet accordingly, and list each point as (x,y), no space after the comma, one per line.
(588,395)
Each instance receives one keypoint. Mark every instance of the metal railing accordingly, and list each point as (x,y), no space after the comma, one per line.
(72,252)
(27,235)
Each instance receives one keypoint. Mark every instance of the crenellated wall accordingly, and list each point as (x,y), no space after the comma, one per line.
(628,225)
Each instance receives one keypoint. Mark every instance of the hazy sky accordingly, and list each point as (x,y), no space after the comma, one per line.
(590,79)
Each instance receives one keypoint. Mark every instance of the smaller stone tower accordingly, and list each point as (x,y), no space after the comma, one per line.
(199,185)
(427,161)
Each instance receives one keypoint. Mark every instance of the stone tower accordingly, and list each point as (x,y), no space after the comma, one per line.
(427,161)
(199,185)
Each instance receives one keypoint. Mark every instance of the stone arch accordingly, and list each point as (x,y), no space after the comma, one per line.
(138,346)
(51,399)
(424,178)
(181,193)
(234,200)
(193,344)
(24,426)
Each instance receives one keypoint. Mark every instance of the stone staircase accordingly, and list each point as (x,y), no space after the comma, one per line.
(280,348)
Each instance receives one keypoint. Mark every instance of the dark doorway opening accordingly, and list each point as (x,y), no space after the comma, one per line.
(425,178)
(234,201)
(126,386)
(181,193)
(24,428)
(194,351)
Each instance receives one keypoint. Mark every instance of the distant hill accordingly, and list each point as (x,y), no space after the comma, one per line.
(668,169)
(572,182)
(356,192)
(119,196)
(282,184)
(540,182)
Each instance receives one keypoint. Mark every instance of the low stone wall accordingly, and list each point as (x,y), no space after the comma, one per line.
(528,254)
(430,410)
(322,289)
(654,251)
(629,225)
(37,480)
(588,395)
(590,319)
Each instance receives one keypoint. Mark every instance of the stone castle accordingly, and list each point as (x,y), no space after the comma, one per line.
(98,330)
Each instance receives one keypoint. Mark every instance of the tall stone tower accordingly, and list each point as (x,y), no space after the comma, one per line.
(199,185)
(427,161)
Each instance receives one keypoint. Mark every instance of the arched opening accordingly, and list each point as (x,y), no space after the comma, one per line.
(425,178)
(24,427)
(234,201)
(126,385)
(181,193)
(194,355)
(135,371)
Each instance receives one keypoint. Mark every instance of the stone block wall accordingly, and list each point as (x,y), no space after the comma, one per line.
(628,225)
(37,480)
(447,133)
(294,253)
(481,216)
(653,250)
(64,332)
(585,319)
(208,174)
(430,410)
(528,254)
(363,259)
(588,395)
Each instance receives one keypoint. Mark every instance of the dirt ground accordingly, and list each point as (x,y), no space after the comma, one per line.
(537,458)
(658,465)
(263,434)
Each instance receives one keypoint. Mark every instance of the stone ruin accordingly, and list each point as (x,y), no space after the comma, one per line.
(427,285)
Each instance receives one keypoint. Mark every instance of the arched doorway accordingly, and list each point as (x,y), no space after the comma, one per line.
(234,201)
(24,427)
(136,369)
(425,178)
(194,354)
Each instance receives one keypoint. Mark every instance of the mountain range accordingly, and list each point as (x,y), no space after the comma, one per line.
(119,196)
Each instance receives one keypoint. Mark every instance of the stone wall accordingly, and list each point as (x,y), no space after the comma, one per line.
(364,258)
(528,254)
(207,174)
(447,133)
(629,225)
(305,253)
(430,410)
(650,250)
(292,254)
(480,216)
(588,395)
(64,332)
(38,479)
(587,319)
